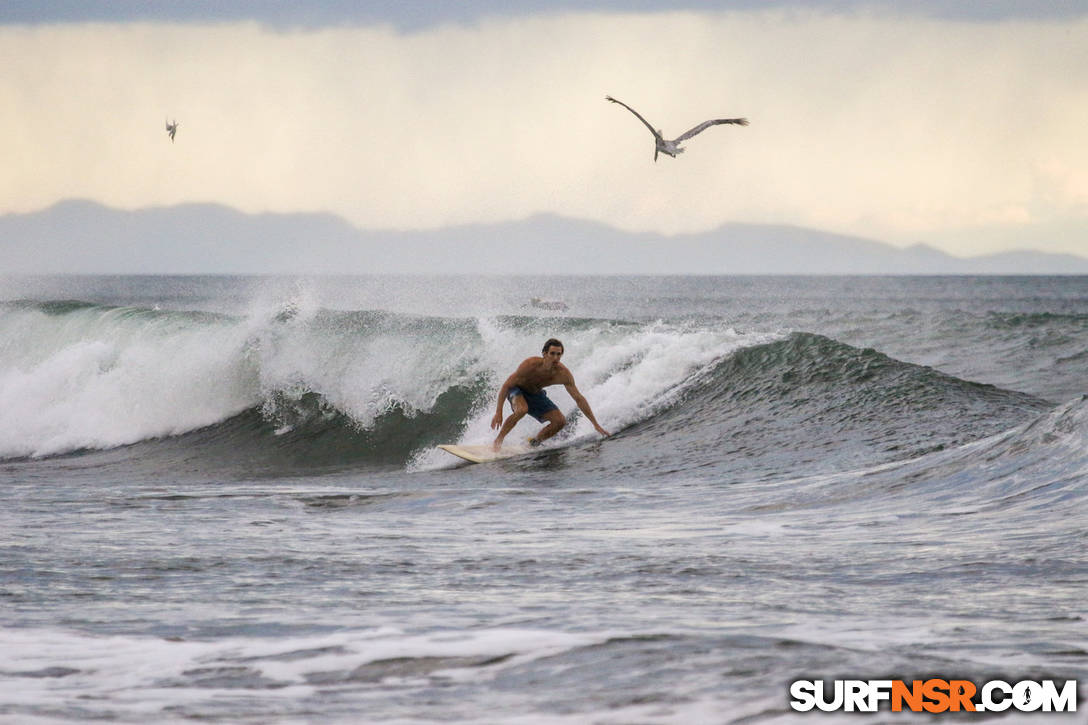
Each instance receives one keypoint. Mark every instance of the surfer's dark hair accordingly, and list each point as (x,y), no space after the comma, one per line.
(552,342)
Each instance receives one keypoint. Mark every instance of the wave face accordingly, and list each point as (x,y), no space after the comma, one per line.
(1041,353)
(1026,479)
(810,404)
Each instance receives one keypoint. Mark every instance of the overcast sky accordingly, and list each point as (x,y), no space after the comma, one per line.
(956,124)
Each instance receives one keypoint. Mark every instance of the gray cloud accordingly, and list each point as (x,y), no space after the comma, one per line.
(419,14)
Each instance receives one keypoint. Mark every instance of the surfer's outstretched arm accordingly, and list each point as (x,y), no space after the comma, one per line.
(583,405)
(496,421)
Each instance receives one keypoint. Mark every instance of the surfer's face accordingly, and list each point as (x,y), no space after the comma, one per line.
(553,354)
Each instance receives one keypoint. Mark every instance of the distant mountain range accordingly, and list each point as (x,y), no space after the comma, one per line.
(82,237)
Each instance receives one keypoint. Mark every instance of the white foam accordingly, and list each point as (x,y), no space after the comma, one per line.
(144,677)
(98,379)
(147,678)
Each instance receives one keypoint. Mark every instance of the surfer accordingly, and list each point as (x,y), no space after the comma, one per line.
(525,391)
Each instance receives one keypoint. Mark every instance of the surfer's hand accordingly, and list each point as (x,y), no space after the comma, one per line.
(496,421)
(603,432)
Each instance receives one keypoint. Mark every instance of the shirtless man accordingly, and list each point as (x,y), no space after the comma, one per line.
(525,391)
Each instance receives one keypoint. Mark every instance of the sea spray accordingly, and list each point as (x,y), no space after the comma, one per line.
(99,377)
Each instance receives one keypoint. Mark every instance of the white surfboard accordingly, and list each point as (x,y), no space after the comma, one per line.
(483,454)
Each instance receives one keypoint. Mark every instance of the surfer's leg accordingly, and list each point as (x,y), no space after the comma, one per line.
(556,421)
(520,409)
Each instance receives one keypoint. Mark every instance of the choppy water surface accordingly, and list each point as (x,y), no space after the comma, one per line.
(221,498)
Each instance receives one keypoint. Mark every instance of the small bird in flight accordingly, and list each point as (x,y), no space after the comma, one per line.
(171,128)
(663,145)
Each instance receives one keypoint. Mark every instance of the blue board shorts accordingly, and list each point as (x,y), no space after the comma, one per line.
(539,403)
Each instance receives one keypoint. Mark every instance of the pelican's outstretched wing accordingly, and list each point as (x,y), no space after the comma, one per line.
(707,124)
(637,115)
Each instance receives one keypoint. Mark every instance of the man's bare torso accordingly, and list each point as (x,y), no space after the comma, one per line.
(535,374)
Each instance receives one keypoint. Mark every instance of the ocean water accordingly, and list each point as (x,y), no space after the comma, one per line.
(220,498)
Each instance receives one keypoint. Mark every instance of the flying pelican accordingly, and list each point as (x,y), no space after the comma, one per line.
(171,128)
(663,145)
